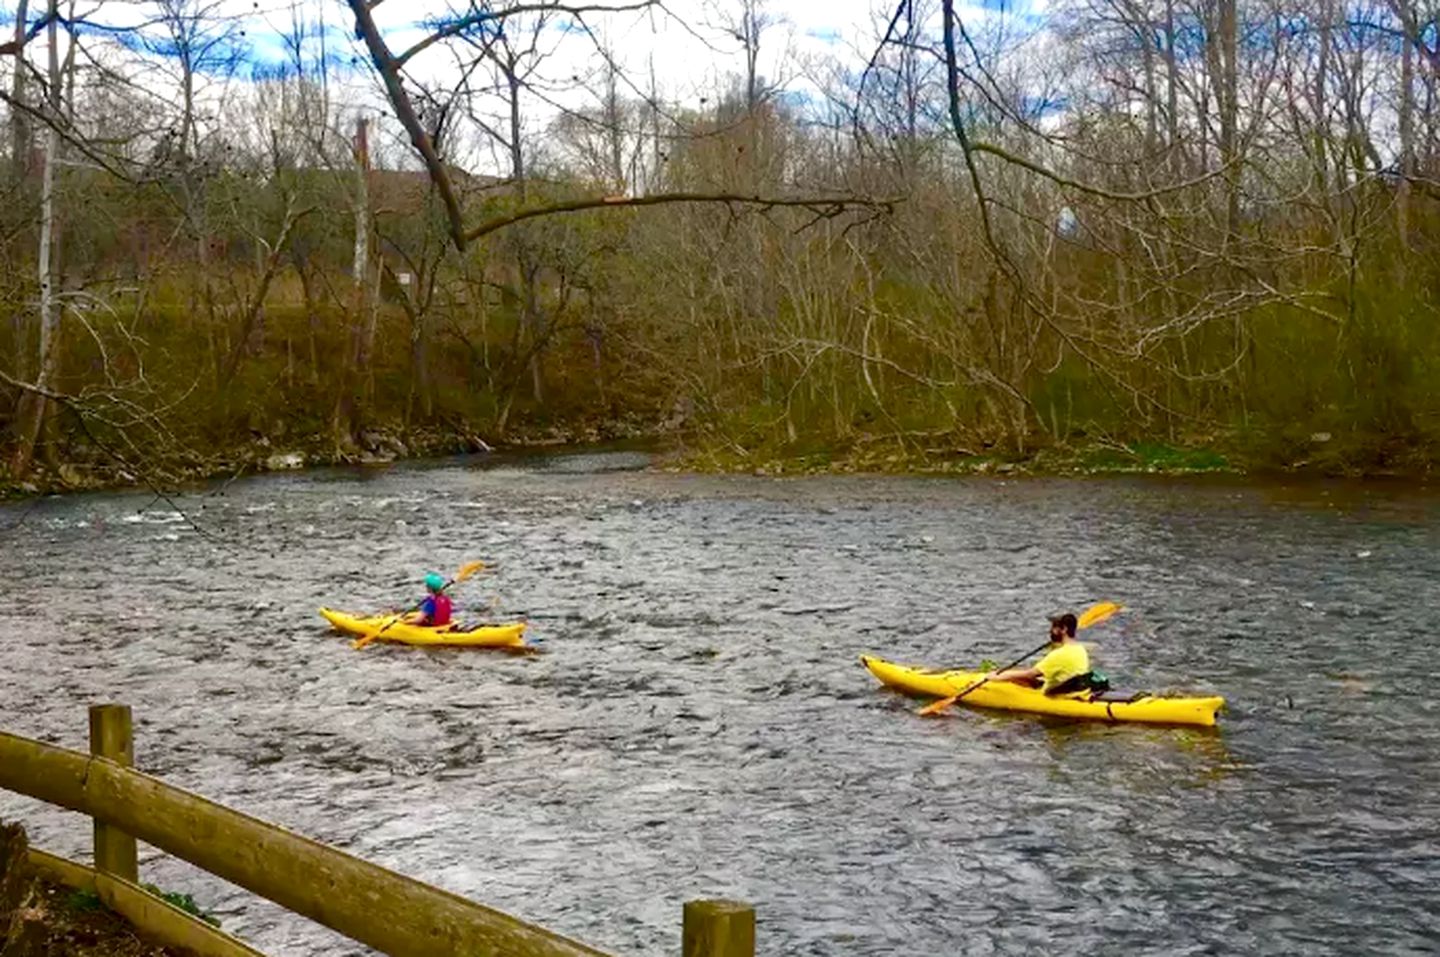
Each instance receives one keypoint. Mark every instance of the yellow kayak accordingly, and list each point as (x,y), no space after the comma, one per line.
(485,636)
(1005,696)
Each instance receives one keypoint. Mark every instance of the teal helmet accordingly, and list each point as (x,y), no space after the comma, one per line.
(434,582)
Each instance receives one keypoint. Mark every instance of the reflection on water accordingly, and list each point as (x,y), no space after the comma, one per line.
(701,726)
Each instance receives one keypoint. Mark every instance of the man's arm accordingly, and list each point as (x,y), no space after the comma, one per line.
(1019,676)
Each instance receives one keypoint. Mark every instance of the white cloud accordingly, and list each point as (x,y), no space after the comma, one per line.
(688,46)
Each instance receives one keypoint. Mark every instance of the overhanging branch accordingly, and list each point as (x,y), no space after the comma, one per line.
(405,112)
(459,25)
(824,207)
(1058,180)
(390,67)
(40,390)
(12,47)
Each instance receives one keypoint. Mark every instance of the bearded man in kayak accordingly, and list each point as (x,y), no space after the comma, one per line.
(435,609)
(1065,667)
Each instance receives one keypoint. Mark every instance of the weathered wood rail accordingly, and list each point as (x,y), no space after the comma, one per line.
(390,912)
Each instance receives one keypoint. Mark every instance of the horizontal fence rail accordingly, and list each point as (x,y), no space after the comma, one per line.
(390,912)
(165,921)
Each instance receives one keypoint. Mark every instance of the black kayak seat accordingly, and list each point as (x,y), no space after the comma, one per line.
(1097,685)
(1120,697)
(1091,681)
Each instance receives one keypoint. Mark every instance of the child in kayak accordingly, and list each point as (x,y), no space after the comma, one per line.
(1065,667)
(435,609)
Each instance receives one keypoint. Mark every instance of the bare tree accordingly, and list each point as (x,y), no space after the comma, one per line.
(19,122)
(391,66)
(34,408)
(355,371)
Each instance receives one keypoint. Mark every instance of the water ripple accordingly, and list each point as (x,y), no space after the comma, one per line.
(699,724)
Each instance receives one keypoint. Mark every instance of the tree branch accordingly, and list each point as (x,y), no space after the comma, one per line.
(823,206)
(462,24)
(39,390)
(12,47)
(405,113)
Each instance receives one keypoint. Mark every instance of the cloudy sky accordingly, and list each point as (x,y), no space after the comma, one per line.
(690,44)
(687,40)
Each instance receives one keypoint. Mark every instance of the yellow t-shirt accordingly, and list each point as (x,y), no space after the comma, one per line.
(1063,663)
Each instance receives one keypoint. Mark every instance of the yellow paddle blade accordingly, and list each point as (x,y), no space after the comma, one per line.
(365,639)
(935,707)
(468,569)
(1098,613)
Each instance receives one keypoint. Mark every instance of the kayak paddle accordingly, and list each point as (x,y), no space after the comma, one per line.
(1091,616)
(465,572)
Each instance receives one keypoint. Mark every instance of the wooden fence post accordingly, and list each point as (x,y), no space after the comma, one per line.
(111,737)
(718,928)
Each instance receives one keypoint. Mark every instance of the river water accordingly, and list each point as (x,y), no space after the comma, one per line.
(700,726)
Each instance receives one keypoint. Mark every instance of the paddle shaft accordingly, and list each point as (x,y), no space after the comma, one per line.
(1093,615)
(1015,663)
(362,642)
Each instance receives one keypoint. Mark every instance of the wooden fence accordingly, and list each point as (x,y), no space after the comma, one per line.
(390,912)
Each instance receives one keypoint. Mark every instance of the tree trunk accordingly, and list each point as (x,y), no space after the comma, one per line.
(34,409)
(1152,108)
(615,132)
(1229,108)
(19,121)
(419,372)
(530,318)
(1172,93)
(19,170)
(751,26)
(312,315)
(657,158)
(255,306)
(1322,161)
(1407,129)
(354,371)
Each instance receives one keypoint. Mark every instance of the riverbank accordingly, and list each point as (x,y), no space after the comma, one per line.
(71,923)
(40,918)
(93,470)
(1321,455)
